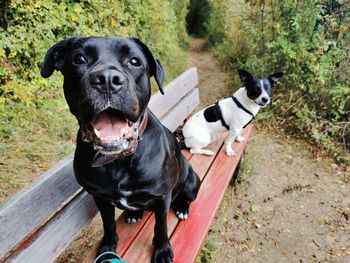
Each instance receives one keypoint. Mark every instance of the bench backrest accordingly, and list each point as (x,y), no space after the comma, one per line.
(39,222)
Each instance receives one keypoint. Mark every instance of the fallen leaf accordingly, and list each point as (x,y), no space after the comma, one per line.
(254,208)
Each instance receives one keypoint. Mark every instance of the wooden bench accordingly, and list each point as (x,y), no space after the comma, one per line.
(39,222)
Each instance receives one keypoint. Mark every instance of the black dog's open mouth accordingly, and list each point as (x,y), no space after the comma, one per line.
(111,132)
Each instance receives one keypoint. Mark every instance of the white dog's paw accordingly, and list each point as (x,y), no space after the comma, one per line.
(201,151)
(208,152)
(240,139)
(230,152)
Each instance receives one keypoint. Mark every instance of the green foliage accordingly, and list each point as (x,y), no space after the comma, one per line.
(32,109)
(35,25)
(309,41)
(197,17)
(207,252)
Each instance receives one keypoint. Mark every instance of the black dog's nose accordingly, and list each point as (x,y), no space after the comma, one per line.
(264,99)
(108,79)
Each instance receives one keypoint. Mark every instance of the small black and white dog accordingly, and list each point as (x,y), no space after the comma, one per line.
(230,114)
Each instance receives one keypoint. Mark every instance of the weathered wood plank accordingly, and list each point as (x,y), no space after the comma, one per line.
(203,210)
(30,207)
(173,92)
(175,117)
(47,243)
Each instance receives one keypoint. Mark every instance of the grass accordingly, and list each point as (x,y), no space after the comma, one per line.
(10,181)
(207,251)
(33,138)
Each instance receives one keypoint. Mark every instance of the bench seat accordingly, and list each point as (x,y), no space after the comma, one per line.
(186,237)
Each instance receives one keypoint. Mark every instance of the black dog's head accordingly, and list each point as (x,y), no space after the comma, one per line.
(106,85)
(259,90)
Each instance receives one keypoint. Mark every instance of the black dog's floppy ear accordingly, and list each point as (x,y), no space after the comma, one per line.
(55,56)
(274,78)
(160,75)
(156,68)
(245,76)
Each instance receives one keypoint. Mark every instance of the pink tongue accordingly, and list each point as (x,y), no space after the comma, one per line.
(111,126)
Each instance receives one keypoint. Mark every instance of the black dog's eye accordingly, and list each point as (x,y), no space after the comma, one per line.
(135,62)
(79,59)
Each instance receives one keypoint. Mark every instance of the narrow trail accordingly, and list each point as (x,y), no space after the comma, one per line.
(288,206)
(213,82)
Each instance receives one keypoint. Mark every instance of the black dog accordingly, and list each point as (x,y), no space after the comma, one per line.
(107,88)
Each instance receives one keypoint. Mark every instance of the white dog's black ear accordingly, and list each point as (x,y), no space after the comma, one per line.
(274,78)
(245,76)
(156,68)
(55,56)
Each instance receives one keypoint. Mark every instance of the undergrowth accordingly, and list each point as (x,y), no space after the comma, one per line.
(309,41)
(207,252)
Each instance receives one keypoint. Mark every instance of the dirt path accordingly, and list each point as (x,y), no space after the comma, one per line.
(213,82)
(287,206)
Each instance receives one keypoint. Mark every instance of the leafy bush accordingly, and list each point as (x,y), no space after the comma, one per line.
(33,109)
(309,41)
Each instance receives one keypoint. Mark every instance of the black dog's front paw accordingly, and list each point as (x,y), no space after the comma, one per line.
(181,209)
(107,249)
(163,254)
(132,217)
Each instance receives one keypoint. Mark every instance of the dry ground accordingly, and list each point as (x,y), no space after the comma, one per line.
(287,207)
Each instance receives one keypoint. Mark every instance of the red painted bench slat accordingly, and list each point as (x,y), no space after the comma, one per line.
(201,164)
(126,233)
(141,248)
(190,234)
